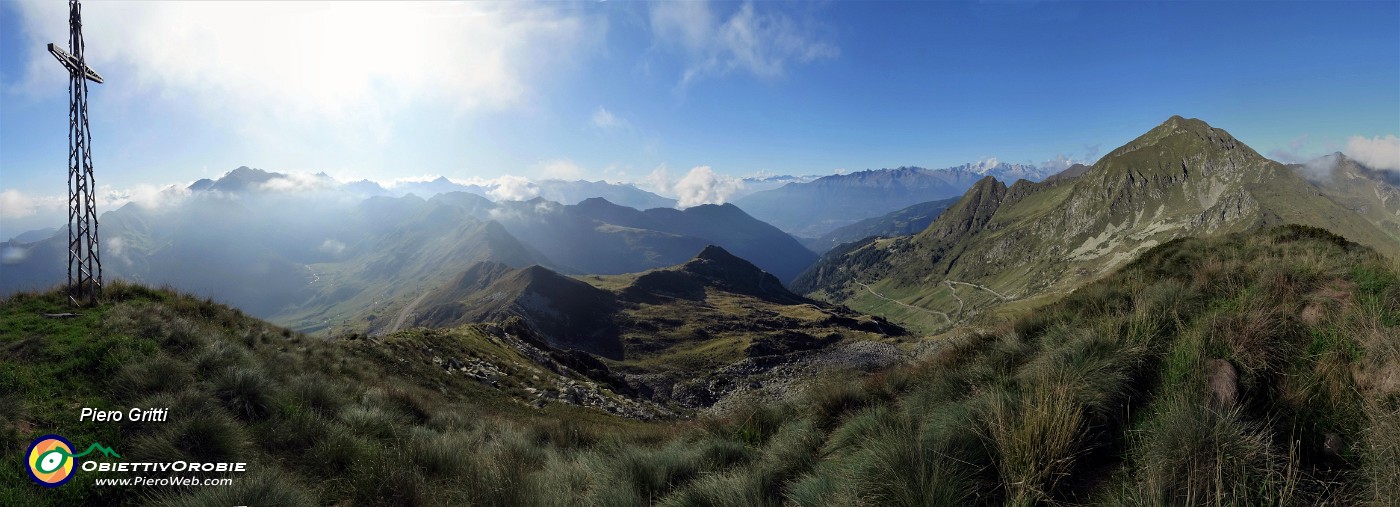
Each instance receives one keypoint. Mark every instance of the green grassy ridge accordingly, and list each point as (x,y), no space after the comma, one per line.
(1099,398)
(315,419)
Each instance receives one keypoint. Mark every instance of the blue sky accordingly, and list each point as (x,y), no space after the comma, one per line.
(631,90)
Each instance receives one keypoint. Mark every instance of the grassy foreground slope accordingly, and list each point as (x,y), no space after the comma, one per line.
(1119,394)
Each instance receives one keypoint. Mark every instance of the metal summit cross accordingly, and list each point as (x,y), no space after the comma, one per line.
(84,264)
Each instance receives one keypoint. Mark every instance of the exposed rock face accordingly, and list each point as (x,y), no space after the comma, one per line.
(970,214)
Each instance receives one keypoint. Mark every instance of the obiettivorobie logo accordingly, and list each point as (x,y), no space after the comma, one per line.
(52,462)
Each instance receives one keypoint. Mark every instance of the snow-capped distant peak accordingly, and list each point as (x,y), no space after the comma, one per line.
(984,166)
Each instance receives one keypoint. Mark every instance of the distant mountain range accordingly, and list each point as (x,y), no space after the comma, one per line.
(1000,243)
(245,180)
(901,222)
(320,256)
(598,237)
(328,254)
(812,209)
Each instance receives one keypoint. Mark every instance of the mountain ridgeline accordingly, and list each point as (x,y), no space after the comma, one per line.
(902,222)
(599,237)
(813,209)
(1025,241)
(602,315)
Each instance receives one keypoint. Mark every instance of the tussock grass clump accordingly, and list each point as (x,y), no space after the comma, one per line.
(563,434)
(1037,436)
(293,432)
(407,402)
(153,375)
(262,488)
(832,400)
(372,421)
(221,355)
(1189,457)
(640,475)
(209,436)
(901,459)
(316,393)
(246,392)
(337,451)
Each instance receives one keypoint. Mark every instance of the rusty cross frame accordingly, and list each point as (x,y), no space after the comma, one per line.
(84,261)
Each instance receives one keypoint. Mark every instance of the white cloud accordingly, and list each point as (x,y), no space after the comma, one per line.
(350,65)
(1377,153)
(604,119)
(16,204)
(1319,169)
(1063,161)
(1294,153)
(146,196)
(20,211)
(116,245)
(115,248)
(13,255)
(703,185)
(658,180)
(513,188)
(299,182)
(423,178)
(763,44)
(562,169)
(1059,163)
(332,247)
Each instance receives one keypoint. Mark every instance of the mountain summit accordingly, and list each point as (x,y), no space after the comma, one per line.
(1000,243)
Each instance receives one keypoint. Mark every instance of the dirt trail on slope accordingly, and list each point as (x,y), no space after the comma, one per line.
(403,314)
(983,287)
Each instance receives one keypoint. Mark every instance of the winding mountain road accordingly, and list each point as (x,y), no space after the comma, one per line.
(901,303)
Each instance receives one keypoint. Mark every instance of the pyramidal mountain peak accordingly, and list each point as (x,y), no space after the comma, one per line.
(718,254)
(1184,136)
(717,263)
(1180,178)
(716,267)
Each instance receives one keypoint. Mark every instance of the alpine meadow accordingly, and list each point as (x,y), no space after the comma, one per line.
(700,253)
